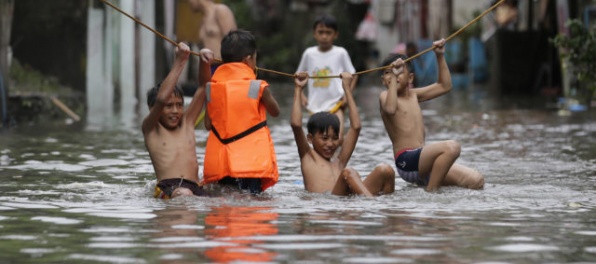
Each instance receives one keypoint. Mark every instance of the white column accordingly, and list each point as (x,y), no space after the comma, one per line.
(147,78)
(127,76)
(98,96)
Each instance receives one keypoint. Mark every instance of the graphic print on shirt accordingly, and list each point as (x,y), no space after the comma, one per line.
(321,82)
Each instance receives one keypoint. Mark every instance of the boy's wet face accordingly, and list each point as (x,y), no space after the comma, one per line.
(324,36)
(325,143)
(172,112)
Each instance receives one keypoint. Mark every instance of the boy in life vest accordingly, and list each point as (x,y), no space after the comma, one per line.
(428,165)
(321,171)
(239,149)
(168,130)
(326,59)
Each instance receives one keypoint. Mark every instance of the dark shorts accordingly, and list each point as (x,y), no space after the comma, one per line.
(165,188)
(214,67)
(406,161)
(253,185)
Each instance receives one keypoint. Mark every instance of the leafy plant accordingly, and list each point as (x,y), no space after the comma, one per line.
(579,49)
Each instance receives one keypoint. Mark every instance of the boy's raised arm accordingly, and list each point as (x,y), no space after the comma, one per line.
(354,132)
(198,100)
(167,87)
(296,116)
(389,98)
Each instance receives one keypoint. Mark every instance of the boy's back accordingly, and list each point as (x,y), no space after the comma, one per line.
(239,149)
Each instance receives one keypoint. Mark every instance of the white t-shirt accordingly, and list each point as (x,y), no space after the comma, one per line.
(324,93)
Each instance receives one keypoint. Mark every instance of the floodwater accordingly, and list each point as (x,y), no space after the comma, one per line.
(82,193)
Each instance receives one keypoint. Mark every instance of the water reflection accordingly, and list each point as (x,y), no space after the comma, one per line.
(82,193)
(220,234)
(243,227)
(179,234)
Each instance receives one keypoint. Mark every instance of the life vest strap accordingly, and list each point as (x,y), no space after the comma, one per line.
(247,132)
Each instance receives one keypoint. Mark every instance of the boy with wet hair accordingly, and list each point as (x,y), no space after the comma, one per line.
(239,149)
(429,165)
(322,172)
(326,59)
(168,130)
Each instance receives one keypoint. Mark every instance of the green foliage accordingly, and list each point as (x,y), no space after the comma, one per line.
(29,80)
(579,48)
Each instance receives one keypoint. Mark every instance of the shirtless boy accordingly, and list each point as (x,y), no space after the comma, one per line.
(169,130)
(320,170)
(431,165)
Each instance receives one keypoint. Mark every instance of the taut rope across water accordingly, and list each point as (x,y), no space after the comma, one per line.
(314,77)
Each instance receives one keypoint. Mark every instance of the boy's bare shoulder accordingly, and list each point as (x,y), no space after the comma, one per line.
(315,162)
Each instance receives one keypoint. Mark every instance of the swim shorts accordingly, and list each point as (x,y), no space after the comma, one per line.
(406,161)
(165,188)
(253,185)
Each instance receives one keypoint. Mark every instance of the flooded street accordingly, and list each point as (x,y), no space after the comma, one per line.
(82,193)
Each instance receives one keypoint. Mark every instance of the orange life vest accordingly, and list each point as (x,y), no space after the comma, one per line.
(239,144)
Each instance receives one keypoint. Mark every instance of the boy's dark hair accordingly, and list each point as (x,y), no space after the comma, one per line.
(325,20)
(321,121)
(236,45)
(394,56)
(152,94)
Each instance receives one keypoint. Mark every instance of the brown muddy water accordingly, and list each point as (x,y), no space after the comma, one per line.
(81,193)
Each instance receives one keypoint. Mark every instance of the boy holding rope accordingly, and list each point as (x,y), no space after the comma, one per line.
(169,132)
(321,171)
(239,151)
(430,165)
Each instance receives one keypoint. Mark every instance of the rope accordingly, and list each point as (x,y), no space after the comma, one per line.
(432,47)
(147,27)
(314,77)
(176,44)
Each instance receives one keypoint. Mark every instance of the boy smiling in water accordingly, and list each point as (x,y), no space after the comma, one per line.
(320,171)
(169,131)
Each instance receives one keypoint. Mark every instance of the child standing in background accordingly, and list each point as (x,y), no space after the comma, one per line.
(326,59)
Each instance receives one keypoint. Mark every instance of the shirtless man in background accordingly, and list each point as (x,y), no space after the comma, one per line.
(217,21)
